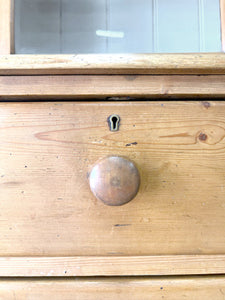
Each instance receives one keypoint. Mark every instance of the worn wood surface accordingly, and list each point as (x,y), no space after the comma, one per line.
(111,265)
(110,87)
(222,13)
(47,150)
(6,27)
(208,287)
(198,63)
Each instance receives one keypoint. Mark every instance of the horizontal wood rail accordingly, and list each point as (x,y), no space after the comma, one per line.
(120,288)
(92,64)
(116,87)
(112,266)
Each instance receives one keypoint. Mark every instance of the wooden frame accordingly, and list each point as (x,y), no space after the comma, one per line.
(98,64)
(112,265)
(159,75)
(115,87)
(200,63)
(222,14)
(6,27)
(120,288)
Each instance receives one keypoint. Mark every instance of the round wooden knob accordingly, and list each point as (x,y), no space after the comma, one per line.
(114,180)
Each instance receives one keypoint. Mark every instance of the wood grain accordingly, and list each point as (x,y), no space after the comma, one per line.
(92,64)
(111,265)
(6,27)
(222,14)
(110,87)
(47,150)
(208,287)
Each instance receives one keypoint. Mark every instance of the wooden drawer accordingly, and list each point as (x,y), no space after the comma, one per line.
(115,288)
(48,148)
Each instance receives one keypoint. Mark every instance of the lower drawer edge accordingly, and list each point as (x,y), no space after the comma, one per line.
(198,287)
(112,265)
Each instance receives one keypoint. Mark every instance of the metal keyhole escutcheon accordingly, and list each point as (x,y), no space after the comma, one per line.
(114,122)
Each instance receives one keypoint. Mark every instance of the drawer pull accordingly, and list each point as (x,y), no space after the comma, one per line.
(114,180)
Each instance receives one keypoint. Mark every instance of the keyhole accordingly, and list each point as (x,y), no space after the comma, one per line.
(114,121)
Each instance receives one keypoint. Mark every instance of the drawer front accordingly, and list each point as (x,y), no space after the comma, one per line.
(48,149)
(110,289)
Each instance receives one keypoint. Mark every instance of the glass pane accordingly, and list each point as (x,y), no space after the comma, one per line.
(117,26)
